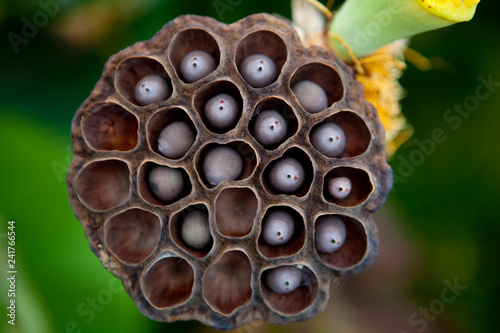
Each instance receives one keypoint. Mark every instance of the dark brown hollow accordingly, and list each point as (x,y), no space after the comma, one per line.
(353,250)
(306,163)
(226,284)
(246,152)
(132,235)
(192,40)
(235,211)
(168,282)
(145,189)
(175,231)
(282,107)
(103,185)
(357,133)
(263,42)
(325,76)
(108,126)
(210,90)
(295,302)
(361,186)
(162,119)
(294,245)
(132,70)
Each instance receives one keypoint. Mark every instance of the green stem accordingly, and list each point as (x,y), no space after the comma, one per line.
(367,25)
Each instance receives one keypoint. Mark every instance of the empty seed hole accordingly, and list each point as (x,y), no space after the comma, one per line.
(108,126)
(168,282)
(132,235)
(235,211)
(226,284)
(103,185)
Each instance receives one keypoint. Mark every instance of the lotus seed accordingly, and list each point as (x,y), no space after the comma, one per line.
(284,279)
(339,187)
(287,175)
(329,139)
(278,227)
(166,183)
(222,163)
(330,234)
(258,70)
(311,96)
(176,139)
(270,128)
(151,89)
(222,111)
(196,65)
(194,230)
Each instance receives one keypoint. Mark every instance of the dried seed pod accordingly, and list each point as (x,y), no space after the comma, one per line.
(147,183)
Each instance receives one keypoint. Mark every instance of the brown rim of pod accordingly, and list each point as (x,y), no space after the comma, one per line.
(221,220)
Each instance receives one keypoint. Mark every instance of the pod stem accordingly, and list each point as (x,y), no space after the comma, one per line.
(367,25)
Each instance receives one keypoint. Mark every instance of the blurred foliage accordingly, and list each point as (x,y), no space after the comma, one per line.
(445,207)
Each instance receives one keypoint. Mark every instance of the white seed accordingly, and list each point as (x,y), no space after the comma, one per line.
(278,227)
(222,163)
(222,111)
(151,89)
(166,183)
(330,233)
(286,175)
(311,96)
(284,279)
(339,187)
(194,230)
(176,139)
(329,139)
(196,65)
(258,70)
(270,127)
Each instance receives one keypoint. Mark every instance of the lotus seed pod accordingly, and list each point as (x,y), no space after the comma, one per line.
(258,70)
(339,187)
(166,183)
(194,230)
(270,127)
(329,139)
(311,96)
(187,215)
(176,139)
(287,175)
(222,111)
(196,65)
(330,234)
(284,279)
(278,227)
(151,89)
(222,163)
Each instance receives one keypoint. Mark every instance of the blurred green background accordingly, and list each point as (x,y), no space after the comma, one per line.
(438,225)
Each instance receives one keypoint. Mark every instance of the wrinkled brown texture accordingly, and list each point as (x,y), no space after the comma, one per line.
(222,285)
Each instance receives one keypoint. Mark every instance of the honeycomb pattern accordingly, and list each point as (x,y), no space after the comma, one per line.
(217,274)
